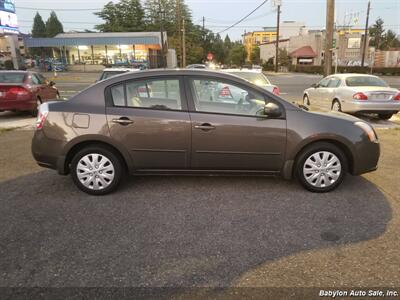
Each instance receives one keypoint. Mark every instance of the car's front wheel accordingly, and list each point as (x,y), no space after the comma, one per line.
(321,167)
(96,170)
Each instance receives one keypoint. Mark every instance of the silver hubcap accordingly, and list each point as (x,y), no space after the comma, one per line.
(322,169)
(336,106)
(95,171)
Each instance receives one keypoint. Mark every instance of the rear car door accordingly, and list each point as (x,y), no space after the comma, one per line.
(229,130)
(330,92)
(150,118)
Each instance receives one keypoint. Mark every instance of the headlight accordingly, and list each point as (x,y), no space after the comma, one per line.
(368,130)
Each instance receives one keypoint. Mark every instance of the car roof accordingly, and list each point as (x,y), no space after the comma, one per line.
(244,70)
(346,75)
(120,70)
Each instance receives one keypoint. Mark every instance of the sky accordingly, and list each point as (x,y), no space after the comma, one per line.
(219,14)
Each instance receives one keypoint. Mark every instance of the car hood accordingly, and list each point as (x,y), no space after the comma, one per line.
(337,115)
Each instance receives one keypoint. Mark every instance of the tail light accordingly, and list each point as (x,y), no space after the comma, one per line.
(42,116)
(225,92)
(397,97)
(360,96)
(15,93)
(276,91)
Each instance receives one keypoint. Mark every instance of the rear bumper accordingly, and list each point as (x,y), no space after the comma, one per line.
(369,106)
(48,152)
(17,104)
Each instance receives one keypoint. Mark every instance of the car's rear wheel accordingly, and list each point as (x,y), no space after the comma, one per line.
(321,167)
(306,100)
(336,105)
(96,170)
(385,116)
(35,110)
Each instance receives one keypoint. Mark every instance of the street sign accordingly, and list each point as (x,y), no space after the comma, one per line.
(210,56)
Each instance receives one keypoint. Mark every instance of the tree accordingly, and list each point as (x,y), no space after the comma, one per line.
(255,56)
(238,54)
(284,58)
(376,32)
(390,40)
(126,15)
(38,28)
(53,25)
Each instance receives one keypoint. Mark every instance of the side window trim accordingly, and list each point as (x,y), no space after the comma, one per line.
(182,93)
(191,104)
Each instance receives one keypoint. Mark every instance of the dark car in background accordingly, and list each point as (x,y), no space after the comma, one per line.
(175,122)
(25,91)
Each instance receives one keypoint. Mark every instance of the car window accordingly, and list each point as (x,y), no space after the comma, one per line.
(156,94)
(35,79)
(334,82)
(221,97)
(255,78)
(8,77)
(118,95)
(324,82)
(365,81)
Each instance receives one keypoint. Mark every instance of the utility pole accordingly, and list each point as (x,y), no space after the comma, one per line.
(278,20)
(179,30)
(183,44)
(364,49)
(163,65)
(330,20)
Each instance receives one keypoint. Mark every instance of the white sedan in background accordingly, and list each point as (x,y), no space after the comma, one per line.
(255,76)
(354,93)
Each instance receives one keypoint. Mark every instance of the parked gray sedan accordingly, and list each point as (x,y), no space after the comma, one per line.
(167,122)
(354,93)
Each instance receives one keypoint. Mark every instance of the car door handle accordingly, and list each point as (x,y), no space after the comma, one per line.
(122,121)
(205,127)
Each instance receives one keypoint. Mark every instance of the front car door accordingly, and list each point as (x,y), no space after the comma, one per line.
(229,130)
(150,118)
(330,93)
(318,93)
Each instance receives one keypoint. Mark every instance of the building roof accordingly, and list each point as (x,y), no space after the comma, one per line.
(96,38)
(305,51)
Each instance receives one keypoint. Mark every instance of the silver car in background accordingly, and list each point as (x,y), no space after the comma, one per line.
(255,76)
(354,93)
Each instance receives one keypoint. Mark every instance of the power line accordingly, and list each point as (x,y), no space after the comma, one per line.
(242,19)
(58,9)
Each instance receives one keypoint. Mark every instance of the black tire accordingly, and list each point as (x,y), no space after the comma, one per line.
(110,155)
(385,116)
(34,112)
(336,102)
(306,100)
(312,149)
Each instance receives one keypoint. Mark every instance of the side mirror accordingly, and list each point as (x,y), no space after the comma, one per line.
(272,110)
(314,85)
(52,83)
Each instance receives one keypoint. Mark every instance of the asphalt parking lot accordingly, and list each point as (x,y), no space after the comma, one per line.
(196,231)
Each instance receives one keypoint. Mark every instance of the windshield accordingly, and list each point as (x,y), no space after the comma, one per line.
(12,77)
(365,81)
(108,74)
(255,78)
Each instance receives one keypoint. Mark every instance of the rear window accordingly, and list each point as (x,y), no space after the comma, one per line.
(12,77)
(255,78)
(365,81)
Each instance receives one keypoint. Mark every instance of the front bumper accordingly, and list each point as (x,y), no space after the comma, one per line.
(370,106)
(366,158)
